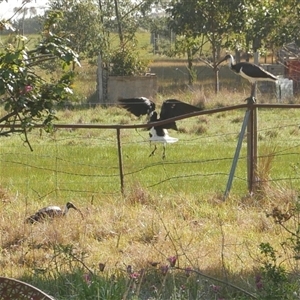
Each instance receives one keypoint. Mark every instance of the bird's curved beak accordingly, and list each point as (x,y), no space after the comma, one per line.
(219,62)
(81,214)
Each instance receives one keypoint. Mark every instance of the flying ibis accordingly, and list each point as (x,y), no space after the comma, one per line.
(51,212)
(170,108)
(249,71)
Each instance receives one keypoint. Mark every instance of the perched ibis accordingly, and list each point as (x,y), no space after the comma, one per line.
(249,71)
(51,212)
(170,108)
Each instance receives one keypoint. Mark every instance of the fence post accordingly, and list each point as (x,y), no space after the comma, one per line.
(120,160)
(252,149)
(237,153)
(252,138)
(251,128)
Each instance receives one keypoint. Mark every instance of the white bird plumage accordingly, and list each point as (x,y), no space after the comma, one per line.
(249,71)
(169,109)
(51,212)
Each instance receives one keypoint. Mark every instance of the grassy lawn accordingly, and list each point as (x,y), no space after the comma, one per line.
(169,208)
(170,235)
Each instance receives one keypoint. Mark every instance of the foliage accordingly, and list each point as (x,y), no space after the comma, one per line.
(237,25)
(285,30)
(209,19)
(213,19)
(274,282)
(125,61)
(82,26)
(28,98)
(190,47)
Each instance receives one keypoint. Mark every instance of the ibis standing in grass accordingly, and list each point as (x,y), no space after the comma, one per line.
(170,108)
(51,212)
(249,71)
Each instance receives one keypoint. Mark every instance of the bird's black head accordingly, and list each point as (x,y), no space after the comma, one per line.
(151,108)
(153,116)
(229,58)
(71,205)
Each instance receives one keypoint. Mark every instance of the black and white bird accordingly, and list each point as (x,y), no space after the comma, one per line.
(170,108)
(51,212)
(249,71)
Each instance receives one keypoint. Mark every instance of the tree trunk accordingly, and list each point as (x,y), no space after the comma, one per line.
(119,23)
(190,66)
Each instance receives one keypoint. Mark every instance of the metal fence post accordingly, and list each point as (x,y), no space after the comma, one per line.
(252,148)
(120,160)
(236,154)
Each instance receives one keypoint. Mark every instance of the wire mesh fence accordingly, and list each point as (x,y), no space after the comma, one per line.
(83,162)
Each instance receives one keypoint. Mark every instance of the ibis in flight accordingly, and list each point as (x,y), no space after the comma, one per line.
(170,108)
(51,212)
(249,71)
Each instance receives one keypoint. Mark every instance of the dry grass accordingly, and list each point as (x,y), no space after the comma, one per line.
(141,228)
(144,228)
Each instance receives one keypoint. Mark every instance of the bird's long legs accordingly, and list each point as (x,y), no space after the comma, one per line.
(164,152)
(153,152)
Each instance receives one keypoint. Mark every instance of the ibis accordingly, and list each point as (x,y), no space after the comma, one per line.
(51,212)
(249,71)
(170,108)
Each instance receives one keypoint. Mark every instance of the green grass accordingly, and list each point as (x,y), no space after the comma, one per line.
(76,159)
(169,208)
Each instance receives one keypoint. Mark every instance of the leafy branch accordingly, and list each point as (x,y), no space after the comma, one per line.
(27,97)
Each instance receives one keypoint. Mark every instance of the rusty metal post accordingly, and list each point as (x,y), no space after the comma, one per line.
(255,149)
(250,152)
(252,136)
(120,160)
(252,147)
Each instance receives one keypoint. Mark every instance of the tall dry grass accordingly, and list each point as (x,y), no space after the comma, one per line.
(144,228)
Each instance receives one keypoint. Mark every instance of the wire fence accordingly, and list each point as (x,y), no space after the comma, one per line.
(90,160)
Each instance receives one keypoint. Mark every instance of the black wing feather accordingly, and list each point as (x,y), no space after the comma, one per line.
(138,106)
(173,108)
(254,71)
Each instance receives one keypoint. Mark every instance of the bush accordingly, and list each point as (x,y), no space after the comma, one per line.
(126,62)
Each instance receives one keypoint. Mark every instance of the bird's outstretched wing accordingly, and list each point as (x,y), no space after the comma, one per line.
(137,106)
(173,108)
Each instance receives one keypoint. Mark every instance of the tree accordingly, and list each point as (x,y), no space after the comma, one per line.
(28,98)
(267,24)
(210,19)
(82,25)
(124,17)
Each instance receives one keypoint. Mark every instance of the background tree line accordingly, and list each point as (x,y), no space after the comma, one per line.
(178,28)
(183,28)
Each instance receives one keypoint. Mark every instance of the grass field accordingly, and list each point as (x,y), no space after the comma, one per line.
(170,235)
(169,208)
